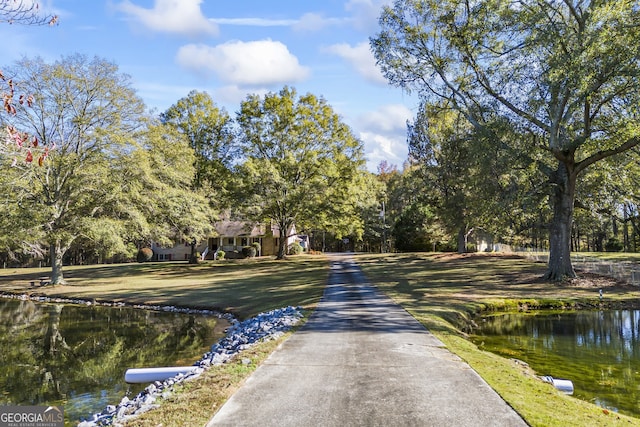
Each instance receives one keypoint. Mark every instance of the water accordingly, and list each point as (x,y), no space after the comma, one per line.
(599,351)
(76,356)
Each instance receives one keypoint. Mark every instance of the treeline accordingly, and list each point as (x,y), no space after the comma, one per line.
(90,175)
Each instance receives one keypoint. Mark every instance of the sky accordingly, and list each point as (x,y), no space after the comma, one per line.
(231,49)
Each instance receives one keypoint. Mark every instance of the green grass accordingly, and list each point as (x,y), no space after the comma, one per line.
(609,256)
(200,399)
(444,292)
(243,287)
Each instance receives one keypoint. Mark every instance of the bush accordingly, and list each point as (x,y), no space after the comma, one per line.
(195,259)
(144,255)
(249,251)
(221,254)
(295,249)
(613,245)
(257,246)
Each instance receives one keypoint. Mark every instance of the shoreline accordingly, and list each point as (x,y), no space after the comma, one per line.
(89,302)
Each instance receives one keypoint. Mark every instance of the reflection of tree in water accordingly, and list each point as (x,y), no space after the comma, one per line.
(598,350)
(53,353)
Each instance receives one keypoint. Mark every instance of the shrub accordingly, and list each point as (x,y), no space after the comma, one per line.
(257,246)
(249,251)
(144,255)
(195,259)
(221,254)
(295,249)
(613,245)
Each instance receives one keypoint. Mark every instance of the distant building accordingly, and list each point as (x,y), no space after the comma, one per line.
(231,237)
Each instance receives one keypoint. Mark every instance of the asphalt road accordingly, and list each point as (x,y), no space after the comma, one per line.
(361,360)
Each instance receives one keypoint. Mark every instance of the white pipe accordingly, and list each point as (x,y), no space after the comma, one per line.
(566,386)
(149,375)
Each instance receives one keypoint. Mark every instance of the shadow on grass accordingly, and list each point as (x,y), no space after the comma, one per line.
(243,288)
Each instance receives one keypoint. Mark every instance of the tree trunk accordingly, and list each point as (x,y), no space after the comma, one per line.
(56,253)
(193,259)
(563,198)
(282,243)
(462,240)
(282,246)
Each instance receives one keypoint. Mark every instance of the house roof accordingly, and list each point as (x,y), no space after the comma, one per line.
(228,228)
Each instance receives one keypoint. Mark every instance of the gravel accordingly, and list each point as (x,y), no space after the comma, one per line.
(239,336)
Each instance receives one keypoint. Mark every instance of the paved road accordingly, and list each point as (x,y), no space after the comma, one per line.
(361,360)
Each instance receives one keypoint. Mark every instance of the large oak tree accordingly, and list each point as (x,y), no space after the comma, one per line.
(302,164)
(562,72)
(106,174)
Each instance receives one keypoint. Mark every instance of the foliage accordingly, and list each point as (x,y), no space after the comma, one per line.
(249,251)
(114,178)
(159,174)
(295,249)
(210,133)
(19,144)
(86,110)
(374,212)
(613,245)
(24,12)
(560,74)
(221,254)
(257,247)
(411,232)
(301,166)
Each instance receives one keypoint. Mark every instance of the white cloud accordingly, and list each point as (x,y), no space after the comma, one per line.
(255,63)
(234,95)
(379,147)
(384,133)
(390,118)
(310,22)
(366,13)
(255,22)
(171,16)
(361,59)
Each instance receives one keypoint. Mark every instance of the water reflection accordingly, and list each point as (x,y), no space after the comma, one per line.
(598,350)
(76,356)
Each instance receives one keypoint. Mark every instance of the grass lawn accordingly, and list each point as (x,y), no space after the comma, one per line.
(242,287)
(609,256)
(443,291)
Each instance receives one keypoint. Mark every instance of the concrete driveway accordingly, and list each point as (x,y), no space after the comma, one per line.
(361,360)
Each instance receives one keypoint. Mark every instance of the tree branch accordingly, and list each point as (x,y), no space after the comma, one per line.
(603,154)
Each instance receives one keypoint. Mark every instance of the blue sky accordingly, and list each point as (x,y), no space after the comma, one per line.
(234,48)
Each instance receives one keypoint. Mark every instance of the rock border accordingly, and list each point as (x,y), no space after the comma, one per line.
(80,301)
(239,336)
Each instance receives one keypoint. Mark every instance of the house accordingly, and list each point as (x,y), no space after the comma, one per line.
(231,237)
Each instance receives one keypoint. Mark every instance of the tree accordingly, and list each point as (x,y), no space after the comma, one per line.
(301,165)
(210,132)
(564,73)
(159,186)
(88,112)
(24,13)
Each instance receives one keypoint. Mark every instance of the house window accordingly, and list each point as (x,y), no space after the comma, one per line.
(244,241)
(230,241)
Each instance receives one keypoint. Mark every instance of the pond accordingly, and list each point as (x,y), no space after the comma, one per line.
(76,356)
(599,351)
